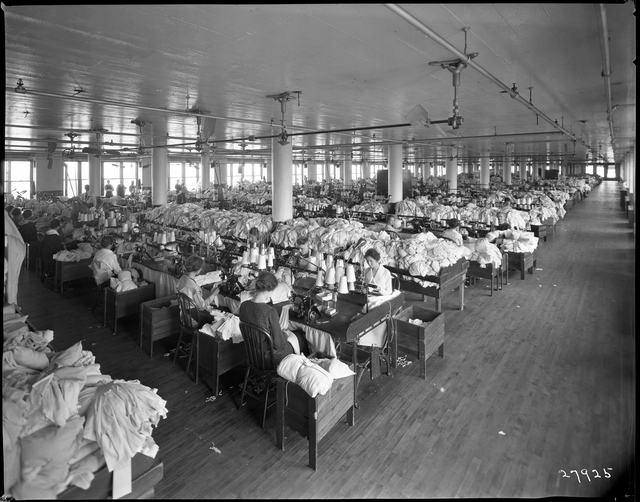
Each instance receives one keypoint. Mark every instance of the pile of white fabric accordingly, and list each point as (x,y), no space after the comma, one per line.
(62,419)
(519,242)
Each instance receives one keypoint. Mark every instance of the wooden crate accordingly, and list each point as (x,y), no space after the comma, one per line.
(71,270)
(158,320)
(219,356)
(117,305)
(448,279)
(146,472)
(313,417)
(418,341)
(523,261)
(540,231)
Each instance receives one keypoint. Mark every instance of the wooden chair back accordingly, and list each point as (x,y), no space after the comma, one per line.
(189,313)
(259,347)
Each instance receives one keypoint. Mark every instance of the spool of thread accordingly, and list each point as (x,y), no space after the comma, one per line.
(339,274)
(112,214)
(245,258)
(253,256)
(269,261)
(125,227)
(343,289)
(262,262)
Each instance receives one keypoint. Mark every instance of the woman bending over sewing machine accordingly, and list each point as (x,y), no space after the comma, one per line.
(376,274)
(188,285)
(302,258)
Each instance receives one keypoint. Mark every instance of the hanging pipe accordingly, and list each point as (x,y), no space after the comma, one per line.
(469,62)
(606,64)
(107,102)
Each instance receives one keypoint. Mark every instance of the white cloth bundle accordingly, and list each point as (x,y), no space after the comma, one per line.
(311,377)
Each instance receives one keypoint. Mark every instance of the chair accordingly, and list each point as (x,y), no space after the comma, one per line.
(190,323)
(101,278)
(260,360)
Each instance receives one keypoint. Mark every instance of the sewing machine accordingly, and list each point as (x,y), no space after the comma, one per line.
(303,307)
(230,285)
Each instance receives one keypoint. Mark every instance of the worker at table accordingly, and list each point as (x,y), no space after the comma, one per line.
(258,312)
(187,283)
(376,274)
(302,257)
(452,232)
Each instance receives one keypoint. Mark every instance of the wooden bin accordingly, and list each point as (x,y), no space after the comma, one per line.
(313,417)
(523,261)
(219,356)
(71,270)
(418,341)
(490,271)
(158,320)
(448,279)
(117,305)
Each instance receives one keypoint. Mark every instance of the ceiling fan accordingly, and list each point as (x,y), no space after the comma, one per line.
(98,151)
(70,153)
(141,149)
(51,147)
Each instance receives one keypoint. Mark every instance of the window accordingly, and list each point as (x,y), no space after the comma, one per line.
(111,172)
(175,174)
(191,174)
(129,174)
(356,171)
(589,169)
(17,177)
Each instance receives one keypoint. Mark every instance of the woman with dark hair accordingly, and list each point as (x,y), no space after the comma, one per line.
(256,311)
(301,257)
(27,227)
(16,215)
(188,285)
(50,245)
(376,274)
(452,232)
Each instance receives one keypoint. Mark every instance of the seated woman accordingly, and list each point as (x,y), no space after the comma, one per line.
(376,274)
(27,227)
(390,226)
(256,311)
(188,285)
(50,245)
(105,262)
(452,232)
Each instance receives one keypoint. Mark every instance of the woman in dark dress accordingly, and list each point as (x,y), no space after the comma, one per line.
(257,312)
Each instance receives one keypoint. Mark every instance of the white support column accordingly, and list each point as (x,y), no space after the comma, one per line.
(485,170)
(282,162)
(365,169)
(327,162)
(506,170)
(205,169)
(523,170)
(395,173)
(452,173)
(347,167)
(95,174)
(159,167)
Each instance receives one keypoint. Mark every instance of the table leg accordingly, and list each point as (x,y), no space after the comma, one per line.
(280,415)
(462,292)
(354,346)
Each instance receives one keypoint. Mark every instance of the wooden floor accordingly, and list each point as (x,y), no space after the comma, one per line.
(537,379)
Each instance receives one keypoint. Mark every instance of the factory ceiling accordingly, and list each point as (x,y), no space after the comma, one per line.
(536,81)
